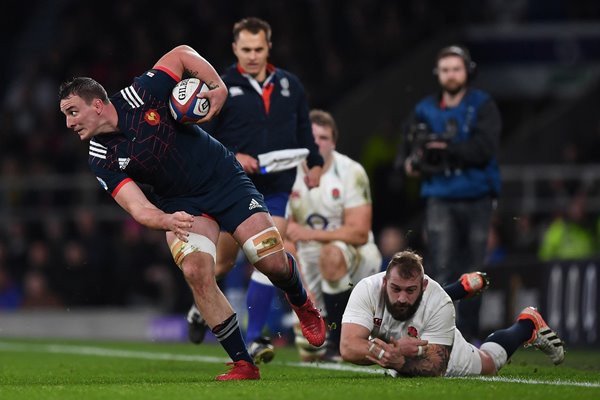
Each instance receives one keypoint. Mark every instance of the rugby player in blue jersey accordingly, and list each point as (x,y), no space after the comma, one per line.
(199,187)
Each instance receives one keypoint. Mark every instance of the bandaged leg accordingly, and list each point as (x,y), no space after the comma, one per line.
(196,242)
(496,352)
(263,244)
(269,242)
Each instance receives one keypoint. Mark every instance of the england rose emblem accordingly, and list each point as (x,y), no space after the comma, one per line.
(412,332)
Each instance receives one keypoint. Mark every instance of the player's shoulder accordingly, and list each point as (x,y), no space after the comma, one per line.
(156,82)
(435,294)
(346,164)
(372,283)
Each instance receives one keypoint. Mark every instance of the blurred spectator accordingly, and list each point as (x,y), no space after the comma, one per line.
(78,285)
(10,294)
(37,292)
(391,240)
(496,251)
(568,237)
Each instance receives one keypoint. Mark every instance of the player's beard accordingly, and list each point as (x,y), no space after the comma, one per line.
(453,87)
(402,312)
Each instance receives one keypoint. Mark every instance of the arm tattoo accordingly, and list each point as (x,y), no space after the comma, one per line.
(189,73)
(433,363)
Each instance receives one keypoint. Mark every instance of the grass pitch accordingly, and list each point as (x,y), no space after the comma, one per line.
(59,369)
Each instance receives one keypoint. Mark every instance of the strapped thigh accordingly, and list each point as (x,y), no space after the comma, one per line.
(263,244)
(196,242)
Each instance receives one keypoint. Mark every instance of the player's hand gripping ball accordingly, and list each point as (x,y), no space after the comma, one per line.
(185,107)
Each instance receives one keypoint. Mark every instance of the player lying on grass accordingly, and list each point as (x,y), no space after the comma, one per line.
(404,321)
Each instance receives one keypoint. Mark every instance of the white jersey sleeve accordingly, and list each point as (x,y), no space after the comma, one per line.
(356,182)
(362,305)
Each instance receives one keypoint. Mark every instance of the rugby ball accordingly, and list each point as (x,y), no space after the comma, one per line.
(185,107)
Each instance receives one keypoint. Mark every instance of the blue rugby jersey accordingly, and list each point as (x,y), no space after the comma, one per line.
(178,161)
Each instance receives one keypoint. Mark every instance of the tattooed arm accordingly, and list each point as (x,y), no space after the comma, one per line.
(433,362)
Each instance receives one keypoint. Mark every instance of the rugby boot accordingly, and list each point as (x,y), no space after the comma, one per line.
(311,322)
(474,283)
(240,370)
(196,325)
(543,337)
(261,350)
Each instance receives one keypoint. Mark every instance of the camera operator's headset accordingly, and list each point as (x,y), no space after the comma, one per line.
(461,52)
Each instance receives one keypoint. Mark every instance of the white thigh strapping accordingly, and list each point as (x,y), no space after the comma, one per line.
(196,242)
(263,244)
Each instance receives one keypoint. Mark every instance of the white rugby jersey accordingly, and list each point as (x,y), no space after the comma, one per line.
(344,185)
(434,320)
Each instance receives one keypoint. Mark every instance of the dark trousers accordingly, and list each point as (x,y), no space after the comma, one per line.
(457,232)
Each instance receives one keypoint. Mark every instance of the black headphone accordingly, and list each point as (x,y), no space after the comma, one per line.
(461,52)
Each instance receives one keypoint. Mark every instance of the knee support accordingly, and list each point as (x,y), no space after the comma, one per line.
(263,244)
(496,352)
(196,242)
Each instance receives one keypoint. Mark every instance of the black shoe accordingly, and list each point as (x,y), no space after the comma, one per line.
(196,326)
(261,350)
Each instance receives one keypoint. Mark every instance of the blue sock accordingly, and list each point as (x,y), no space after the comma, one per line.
(229,335)
(455,290)
(293,285)
(258,300)
(512,338)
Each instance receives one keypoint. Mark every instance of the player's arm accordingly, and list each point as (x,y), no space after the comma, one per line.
(433,361)
(354,231)
(131,198)
(357,348)
(184,60)
(354,344)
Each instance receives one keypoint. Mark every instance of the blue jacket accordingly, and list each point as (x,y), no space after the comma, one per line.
(473,148)
(245,125)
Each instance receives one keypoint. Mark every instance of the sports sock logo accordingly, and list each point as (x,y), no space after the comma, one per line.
(253,204)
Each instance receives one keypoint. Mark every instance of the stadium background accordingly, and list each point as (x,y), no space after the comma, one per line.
(367,62)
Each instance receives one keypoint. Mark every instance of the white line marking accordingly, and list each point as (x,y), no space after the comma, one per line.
(147,355)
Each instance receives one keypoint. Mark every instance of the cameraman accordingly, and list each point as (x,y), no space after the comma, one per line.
(451,144)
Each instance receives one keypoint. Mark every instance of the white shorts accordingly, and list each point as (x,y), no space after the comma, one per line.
(464,358)
(362,261)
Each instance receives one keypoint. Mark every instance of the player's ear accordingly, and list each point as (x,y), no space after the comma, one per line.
(425,283)
(98,105)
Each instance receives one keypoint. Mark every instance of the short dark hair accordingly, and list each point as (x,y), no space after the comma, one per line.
(253,25)
(84,87)
(408,263)
(458,51)
(323,118)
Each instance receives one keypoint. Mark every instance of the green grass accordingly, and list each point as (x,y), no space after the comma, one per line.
(59,369)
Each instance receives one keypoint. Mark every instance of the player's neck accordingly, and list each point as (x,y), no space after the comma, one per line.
(110,120)
(327,162)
